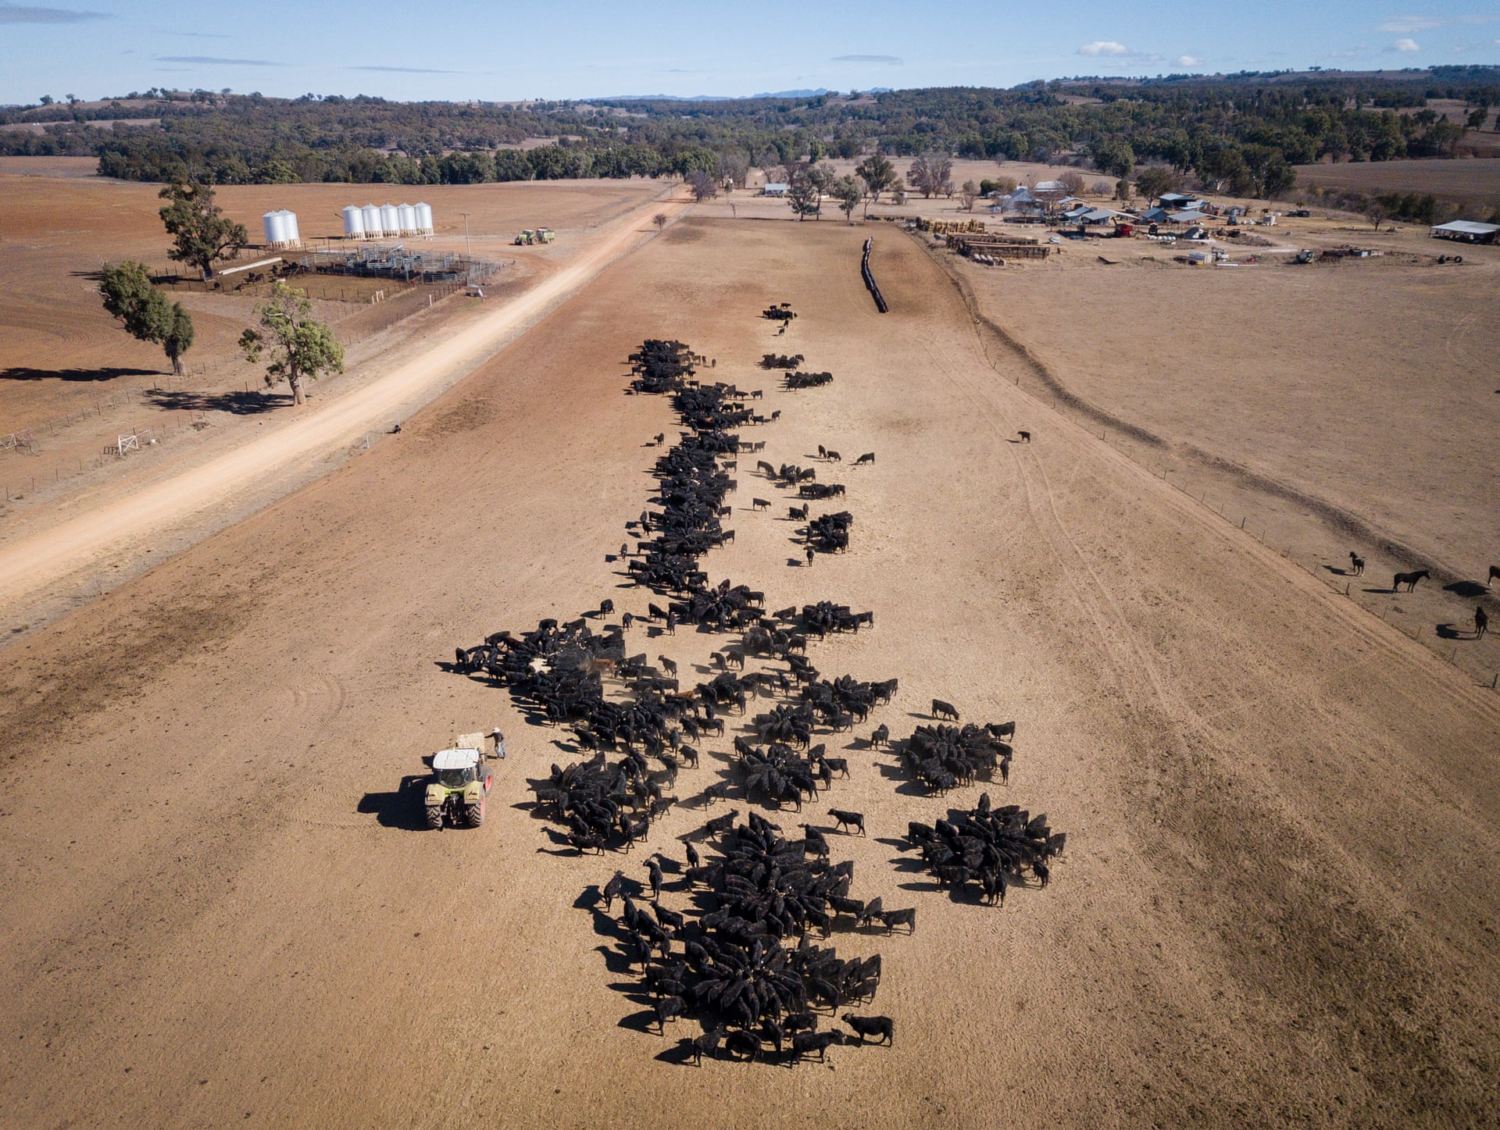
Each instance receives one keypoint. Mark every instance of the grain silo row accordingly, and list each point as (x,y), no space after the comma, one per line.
(374,221)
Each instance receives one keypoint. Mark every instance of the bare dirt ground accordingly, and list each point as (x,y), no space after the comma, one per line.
(1344,406)
(1278,901)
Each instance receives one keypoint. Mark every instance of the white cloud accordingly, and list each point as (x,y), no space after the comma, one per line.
(1410,23)
(1187,60)
(1104,47)
(1406,45)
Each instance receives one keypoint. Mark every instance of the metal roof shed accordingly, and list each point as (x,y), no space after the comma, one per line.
(1467,231)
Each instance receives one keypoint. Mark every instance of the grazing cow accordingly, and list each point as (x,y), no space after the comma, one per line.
(1409,580)
(805,1044)
(721,824)
(1356,564)
(706,1044)
(606,607)
(848,819)
(1481,622)
(742,1046)
(759,504)
(667,1008)
(834,456)
(614,889)
(867,457)
(1025,436)
(798,513)
(908,918)
(941,709)
(868,1026)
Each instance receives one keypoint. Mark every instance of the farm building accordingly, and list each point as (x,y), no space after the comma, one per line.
(1467,231)
(775,188)
(1180,202)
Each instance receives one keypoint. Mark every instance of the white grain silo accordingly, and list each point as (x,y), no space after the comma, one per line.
(373,230)
(408,216)
(293,232)
(424,218)
(271,225)
(390,219)
(354,222)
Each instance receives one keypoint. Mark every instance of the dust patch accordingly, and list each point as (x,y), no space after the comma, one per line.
(110,665)
(465,416)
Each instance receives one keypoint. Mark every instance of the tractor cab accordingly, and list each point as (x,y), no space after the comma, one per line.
(455,794)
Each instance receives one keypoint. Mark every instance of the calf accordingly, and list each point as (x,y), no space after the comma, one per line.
(1025,436)
(866,1027)
(867,457)
(848,819)
(759,504)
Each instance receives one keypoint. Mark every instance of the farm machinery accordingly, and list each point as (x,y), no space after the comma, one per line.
(529,236)
(460,779)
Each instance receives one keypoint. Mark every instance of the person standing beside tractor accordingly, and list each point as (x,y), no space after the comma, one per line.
(499,742)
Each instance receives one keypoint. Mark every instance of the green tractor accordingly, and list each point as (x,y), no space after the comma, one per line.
(455,794)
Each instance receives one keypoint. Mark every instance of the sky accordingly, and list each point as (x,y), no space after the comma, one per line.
(506,50)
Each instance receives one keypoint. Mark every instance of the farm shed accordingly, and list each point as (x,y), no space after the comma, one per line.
(1467,231)
(775,188)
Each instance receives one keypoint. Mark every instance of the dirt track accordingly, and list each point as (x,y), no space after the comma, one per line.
(1278,903)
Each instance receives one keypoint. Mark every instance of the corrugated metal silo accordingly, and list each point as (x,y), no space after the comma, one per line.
(372,221)
(354,222)
(408,216)
(424,218)
(271,224)
(390,219)
(293,232)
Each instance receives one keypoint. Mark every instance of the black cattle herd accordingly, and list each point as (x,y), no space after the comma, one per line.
(739,958)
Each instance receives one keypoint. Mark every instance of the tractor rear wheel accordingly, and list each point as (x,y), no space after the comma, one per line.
(474,815)
(435,816)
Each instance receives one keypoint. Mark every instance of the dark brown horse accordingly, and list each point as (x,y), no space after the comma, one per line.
(1408,579)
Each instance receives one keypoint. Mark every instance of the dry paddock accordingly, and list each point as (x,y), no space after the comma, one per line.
(1278,902)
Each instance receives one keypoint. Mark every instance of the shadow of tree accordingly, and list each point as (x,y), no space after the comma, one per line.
(239,403)
(22,373)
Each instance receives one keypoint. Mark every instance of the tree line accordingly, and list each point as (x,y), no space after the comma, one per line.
(1241,133)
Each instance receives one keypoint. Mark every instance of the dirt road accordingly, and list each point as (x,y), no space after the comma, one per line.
(50,555)
(1277,905)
